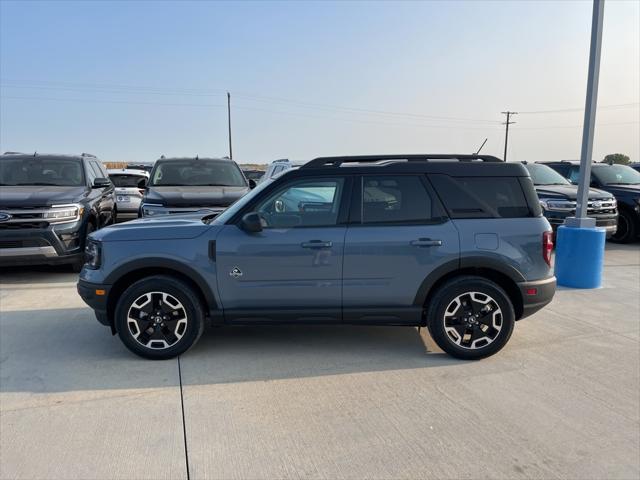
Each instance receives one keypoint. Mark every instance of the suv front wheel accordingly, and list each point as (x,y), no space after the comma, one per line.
(470,317)
(159,317)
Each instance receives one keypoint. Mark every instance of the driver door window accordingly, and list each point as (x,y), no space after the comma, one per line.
(303,203)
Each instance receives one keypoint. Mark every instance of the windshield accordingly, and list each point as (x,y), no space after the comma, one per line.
(126,180)
(193,173)
(616,175)
(61,172)
(543,175)
(239,205)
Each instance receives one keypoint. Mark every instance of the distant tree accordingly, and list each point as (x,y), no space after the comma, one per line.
(619,158)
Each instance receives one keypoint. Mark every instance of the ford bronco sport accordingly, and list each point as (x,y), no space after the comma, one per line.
(456,243)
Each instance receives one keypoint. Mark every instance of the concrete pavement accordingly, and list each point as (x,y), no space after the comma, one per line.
(560,401)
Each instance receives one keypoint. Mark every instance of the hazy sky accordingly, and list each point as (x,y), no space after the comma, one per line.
(134,80)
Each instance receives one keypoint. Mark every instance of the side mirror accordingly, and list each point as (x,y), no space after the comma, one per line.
(252,183)
(142,183)
(251,223)
(101,182)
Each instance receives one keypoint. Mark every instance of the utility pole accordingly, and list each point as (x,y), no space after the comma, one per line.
(506,133)
(229,121)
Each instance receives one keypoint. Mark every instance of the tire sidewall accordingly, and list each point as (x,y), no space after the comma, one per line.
(630,228)
(451,290)
(175,288)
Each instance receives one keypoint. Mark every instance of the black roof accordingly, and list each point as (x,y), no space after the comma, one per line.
(571,162)
(16,155)
(451,164)
(184,159)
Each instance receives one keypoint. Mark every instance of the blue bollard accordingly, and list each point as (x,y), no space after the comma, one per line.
(579,256)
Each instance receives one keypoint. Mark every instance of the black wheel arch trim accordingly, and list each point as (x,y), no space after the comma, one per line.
(169,264)
(460,265)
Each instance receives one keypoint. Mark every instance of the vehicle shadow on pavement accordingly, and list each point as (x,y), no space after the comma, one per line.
(262,353)
(60,350)
(37,275)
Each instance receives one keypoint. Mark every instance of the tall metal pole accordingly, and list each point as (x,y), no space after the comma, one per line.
(229,122)
(506,133)
(581,219)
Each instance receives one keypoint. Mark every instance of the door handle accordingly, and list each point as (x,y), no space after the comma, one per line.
(316,244)
(426,242)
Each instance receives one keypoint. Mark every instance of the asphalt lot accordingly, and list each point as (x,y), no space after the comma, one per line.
(562,400)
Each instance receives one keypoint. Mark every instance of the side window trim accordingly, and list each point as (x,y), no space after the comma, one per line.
(438,212)
(343,210)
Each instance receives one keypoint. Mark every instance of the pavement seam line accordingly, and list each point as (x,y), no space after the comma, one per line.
(184,425)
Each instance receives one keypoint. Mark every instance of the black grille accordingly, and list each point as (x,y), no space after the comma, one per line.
(26,243)
(23,225)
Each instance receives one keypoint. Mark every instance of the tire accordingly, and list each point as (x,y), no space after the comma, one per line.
(159,337)
(78,264)
(465,337)
(627,228)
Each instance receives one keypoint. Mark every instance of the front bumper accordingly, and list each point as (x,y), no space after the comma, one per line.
(536,295)
(55,244)
(608,222)
(95,295)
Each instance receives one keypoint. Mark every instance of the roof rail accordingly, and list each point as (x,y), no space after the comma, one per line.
(337,161)
(83,154)
(280,160)
(13,153)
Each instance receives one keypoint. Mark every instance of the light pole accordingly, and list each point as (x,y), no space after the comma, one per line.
(229,122)
(580,250)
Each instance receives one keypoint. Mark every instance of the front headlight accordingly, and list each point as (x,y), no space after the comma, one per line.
(63,213)
(93,254)
(151,209)
(558,205)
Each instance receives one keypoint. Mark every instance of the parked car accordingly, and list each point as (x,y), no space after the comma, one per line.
(558,199)
(49,204)
(459,246)
(130,185)
(635,166)
(147,167)
(187,185)
(621,181)
(254,175)
(277,167)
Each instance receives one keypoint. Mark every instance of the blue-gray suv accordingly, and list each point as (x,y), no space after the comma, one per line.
(457,243)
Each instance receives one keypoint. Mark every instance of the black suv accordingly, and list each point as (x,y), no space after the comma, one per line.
(558,199)
(620,180)
(48,206)
(188,185)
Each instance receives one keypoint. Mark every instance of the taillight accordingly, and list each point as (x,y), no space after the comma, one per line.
(547,246)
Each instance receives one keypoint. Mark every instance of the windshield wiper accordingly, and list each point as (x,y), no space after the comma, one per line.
(624,183)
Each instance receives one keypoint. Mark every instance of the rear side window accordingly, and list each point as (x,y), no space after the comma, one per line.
(398,199)
(482,197)
(126,180)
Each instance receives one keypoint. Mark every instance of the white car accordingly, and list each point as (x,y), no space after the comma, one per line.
(130,186)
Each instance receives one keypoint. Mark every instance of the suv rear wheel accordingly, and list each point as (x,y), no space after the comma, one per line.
(470,317)
(627,228)
(159,317)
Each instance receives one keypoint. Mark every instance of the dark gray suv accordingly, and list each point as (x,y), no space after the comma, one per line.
(456,243)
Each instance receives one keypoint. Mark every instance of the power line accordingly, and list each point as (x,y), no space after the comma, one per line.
(279,112)
(261,98)
(581,109)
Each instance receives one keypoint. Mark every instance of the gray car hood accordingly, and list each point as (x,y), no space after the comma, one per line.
(165,227)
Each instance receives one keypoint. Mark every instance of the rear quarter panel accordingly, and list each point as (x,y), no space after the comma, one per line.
(515,243)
